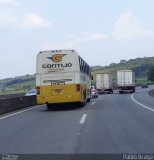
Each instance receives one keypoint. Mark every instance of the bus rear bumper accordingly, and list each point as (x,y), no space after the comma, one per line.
(49,100)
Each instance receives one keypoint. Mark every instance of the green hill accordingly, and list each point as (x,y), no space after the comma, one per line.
(18,84)
(139,65)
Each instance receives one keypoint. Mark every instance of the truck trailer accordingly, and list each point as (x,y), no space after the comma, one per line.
(104,83)
(126,81)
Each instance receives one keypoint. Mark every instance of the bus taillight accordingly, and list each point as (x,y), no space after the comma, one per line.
(77,87)
(38,90)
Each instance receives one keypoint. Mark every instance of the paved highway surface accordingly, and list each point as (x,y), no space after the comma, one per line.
(113,123)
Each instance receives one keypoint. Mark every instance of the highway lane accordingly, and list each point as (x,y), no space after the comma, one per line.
(118,126)
(40,131)
(110,124)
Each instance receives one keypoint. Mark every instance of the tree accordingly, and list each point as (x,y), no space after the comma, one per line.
(151,73)
(123,61)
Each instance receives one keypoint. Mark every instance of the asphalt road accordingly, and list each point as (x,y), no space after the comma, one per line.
(113,123)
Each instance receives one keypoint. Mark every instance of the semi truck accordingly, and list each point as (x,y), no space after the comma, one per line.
(104,83)
(126,81)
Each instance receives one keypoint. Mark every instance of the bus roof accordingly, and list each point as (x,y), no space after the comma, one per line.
(61,50)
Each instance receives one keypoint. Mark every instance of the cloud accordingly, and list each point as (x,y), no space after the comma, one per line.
(75,41)
(34,21)
(28,21)
(128,26)
(8,2)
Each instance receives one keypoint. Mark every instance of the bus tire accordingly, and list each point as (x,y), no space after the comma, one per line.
(82,104)
(88,100)
(49,106)
(84,100)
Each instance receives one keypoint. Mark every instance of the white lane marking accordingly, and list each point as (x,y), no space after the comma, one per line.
(13,114)
(142,105)
(92,103)
(83,118)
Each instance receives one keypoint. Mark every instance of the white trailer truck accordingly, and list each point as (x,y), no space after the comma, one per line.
(126,81)
(104,83)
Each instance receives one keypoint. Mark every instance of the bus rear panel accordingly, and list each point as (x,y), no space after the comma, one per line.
(58,78)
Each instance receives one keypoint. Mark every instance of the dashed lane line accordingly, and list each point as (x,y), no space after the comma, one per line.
(83,119)
(92,103)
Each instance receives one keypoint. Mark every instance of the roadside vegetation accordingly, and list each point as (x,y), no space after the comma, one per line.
(140,66)
(140,82)
(151,73)
(17,85)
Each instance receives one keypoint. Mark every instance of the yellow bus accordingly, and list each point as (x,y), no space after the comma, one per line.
(62,76)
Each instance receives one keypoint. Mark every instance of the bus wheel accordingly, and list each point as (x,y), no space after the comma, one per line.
(82,104)
(49,106)
(88,100)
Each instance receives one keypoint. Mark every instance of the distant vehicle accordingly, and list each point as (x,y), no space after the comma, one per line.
(144,85)
(104,83)
(126,81)
(94,92)
(62,76)
(32,92)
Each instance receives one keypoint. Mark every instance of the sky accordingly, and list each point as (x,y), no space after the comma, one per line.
(101,31)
